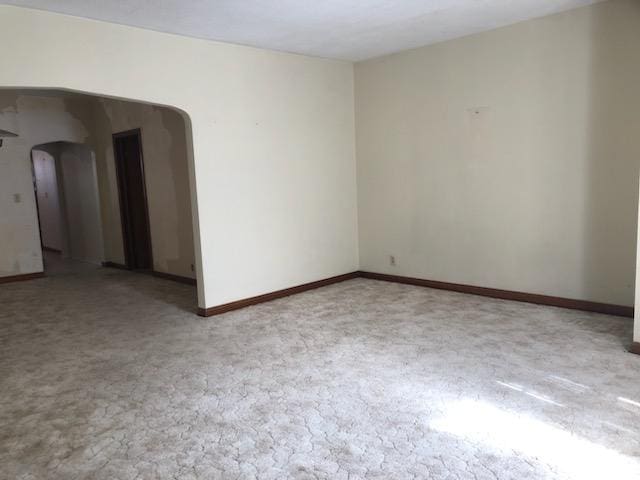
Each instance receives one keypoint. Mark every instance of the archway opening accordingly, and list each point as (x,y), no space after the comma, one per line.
(68,140)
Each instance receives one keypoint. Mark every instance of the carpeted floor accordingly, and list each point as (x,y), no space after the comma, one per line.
(106,374)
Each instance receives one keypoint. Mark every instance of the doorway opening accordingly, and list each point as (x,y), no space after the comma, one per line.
(108,182)
(67,198)
(134,210)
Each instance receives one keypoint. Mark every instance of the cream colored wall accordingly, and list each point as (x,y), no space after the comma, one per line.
(36,120)
(167,182)
(507,159)
(273,150)
(533,193)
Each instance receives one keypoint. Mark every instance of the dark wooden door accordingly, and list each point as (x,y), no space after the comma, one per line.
(127,147)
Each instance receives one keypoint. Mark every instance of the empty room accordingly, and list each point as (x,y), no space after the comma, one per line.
(295,239)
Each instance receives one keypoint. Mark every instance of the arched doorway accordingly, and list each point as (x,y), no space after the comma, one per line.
(80,128)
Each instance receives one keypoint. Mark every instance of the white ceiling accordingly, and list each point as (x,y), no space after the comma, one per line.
(344,29)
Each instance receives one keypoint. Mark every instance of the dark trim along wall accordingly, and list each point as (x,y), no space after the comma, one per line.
(605,308)
(585,305)
(21,277)
(267,297)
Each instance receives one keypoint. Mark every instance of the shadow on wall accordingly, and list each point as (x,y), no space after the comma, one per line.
(68,200)
(613,155)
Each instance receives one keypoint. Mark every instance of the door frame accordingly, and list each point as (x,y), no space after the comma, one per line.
(127,243)
(35,195)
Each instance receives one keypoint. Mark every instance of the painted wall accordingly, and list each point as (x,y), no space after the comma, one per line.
(166,167)
(82,202)
(46,182)
(273,140)
(507,159)
(36,120)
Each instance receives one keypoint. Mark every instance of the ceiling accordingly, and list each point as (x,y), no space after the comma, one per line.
(344,29)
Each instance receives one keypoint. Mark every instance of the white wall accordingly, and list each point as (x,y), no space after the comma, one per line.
(507,159)
(82,202)
(273,147)
(46,182)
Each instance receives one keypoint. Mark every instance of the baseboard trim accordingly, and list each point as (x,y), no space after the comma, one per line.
(175,278)
(572,304)
(114,265)
(619,310)
(267,297)
(635,348)
(22,277)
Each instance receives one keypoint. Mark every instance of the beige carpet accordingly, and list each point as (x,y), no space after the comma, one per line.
(106,374)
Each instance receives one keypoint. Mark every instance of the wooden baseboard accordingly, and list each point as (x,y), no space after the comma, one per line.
(605,308)
(619,310)
(114,265)
(49,249)
(175,278)
(635,348)
(21,277)
(227,307)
